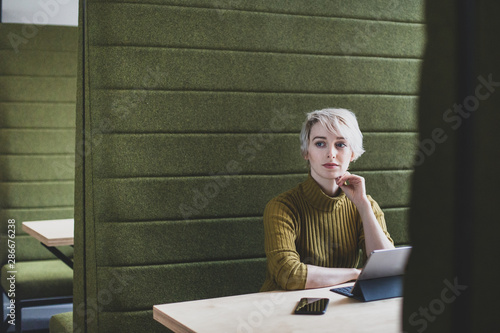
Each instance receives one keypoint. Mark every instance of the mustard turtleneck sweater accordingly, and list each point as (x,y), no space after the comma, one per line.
(306,226)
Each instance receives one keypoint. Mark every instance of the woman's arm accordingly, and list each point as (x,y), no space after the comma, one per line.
(283,260)
(354,187)
(375,238)
(318,277)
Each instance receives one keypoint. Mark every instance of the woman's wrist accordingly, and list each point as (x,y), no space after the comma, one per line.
(356,273)
(364,206)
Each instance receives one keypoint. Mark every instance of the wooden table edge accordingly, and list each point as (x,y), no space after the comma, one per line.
(59,242)
(169,322)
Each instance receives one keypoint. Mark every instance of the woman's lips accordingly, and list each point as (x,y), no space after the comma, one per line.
(330,165)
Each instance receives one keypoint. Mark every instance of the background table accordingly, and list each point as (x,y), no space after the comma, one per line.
(53,233)
(273,312)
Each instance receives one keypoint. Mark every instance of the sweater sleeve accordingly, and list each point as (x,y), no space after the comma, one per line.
(379,214)
(283,260)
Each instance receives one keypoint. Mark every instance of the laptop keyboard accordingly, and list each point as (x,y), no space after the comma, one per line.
(346,291)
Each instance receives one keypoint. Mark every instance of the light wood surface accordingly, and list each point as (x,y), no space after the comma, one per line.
(51,232)
(273,312)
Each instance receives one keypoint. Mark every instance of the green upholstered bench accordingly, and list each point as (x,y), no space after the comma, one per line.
(40,279)
(37,283)
(37,126)
(61,323)
(188,122)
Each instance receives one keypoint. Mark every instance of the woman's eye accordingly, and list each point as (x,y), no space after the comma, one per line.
(320,144)
(341,145)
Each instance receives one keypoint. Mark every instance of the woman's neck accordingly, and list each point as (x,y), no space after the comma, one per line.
(328,186)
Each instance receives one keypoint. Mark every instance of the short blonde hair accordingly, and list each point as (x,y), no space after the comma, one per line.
(339,121)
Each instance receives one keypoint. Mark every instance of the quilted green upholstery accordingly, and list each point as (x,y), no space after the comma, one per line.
(37,126)
(61,323)
(40,279)
(188,122)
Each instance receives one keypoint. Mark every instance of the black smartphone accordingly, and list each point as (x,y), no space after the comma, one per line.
(315,306)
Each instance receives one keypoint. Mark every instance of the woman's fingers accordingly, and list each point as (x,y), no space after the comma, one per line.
(353,184)
(342,180)
(349,179)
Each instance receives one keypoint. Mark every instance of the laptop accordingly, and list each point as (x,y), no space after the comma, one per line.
(381,276)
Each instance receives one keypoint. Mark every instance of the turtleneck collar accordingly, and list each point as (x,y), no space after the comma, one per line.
(317,198)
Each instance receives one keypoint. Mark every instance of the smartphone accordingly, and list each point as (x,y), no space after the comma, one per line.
(314,306)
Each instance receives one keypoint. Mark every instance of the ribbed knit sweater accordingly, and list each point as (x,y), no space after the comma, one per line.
(306,226)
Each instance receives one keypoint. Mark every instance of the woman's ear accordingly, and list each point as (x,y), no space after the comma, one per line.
(352,157)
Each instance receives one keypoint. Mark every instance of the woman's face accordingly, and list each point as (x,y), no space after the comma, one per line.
(329,154)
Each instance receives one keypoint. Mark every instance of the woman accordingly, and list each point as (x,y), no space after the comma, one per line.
(314,232)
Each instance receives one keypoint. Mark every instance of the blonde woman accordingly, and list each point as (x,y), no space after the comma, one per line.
(313,232)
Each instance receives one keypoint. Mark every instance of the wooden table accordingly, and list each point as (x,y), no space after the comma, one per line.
(273,312)
(53,233)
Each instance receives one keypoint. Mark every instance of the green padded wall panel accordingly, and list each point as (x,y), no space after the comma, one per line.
(37,130)
(188,122)
(256,112)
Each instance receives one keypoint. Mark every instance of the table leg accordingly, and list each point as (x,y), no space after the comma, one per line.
(60,255)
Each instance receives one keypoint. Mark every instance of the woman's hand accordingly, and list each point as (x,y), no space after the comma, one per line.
(354,188)
(318,277)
